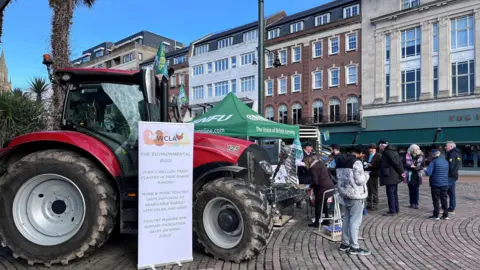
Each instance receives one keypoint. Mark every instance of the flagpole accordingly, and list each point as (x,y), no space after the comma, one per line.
(261,57)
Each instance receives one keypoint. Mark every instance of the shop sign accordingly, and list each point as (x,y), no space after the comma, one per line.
(466,117)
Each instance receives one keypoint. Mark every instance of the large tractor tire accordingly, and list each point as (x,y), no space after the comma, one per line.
(55,206)
(232,220)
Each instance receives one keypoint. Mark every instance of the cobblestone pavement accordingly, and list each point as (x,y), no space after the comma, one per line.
(407,241)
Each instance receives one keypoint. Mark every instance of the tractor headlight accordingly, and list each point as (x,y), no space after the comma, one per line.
(266,167)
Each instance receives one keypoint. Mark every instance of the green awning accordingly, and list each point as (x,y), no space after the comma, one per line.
(404,137)
(460,135)
(232,118)
(341,138)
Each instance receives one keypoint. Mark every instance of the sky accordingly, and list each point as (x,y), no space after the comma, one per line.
(27,25)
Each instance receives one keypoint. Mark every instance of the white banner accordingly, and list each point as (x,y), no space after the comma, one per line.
(165,183)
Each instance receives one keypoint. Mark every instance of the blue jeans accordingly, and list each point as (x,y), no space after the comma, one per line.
(351,222)
(452,183)
(414,192)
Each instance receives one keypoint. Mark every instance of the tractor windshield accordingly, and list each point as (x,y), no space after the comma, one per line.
(109,109)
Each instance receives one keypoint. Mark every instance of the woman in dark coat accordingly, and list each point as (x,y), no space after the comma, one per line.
(321,182)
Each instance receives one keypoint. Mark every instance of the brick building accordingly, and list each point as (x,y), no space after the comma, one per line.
(318,82)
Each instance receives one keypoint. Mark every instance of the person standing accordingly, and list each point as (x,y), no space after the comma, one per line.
(352,187)
(391,174)
(373,166)
(438,172)
(304,176)
(454,162)
(414,162)
(321,182)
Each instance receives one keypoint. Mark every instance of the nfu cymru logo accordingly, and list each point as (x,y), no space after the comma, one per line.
(160,138)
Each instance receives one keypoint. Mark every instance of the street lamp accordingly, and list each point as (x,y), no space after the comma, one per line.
(261,59)
(276,60)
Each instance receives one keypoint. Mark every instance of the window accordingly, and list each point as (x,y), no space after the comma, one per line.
(270,113)
(411,85)
(387,47)
(198,92)
(269,60)
(333,45)
(221,65)
(463,78)
(269,86)
(210,90)
(317,80)
(283,57)
(100,66)
(182,79)
(352,109)
(127,57)
(250,35)
(411,42)
(247,59)
(247,84)
(334,75)
(197,70)
(99,53)
(180,59)
(351,42)
(410,3)
(221,88)
(334,110)
(296,113)
(387,88)
(351,76)
(274,33)
(296,54)
(201,49)
(296,27)
(351,11)
(462,32)
(435,81)
(173,81)
(140,56)
(283,114)
(234,85)
(317,49)
(296,83)
(86,59)
(322,19)
(318,111)
(435,37)
(234,61)
(224,42)
(282,85)
(209,67)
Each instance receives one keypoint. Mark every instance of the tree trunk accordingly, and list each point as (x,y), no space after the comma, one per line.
(39,97)
(61,23)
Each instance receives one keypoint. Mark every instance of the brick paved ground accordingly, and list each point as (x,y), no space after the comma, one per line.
(407,241)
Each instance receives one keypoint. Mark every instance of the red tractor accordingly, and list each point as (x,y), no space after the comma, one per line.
(63,192)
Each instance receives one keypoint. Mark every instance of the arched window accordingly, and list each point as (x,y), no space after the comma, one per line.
(296,113)
(352,109)
(270,113)
(334,110)
(283,114)
(318,111)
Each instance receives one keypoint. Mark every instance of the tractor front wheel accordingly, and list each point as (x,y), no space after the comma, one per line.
(55,206)
(232,220)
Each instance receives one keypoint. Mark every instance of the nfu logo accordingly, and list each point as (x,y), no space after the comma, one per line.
(216,118)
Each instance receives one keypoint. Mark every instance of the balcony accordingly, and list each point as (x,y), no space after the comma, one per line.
(324,120)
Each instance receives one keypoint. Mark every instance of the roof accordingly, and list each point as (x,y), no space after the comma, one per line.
(231,31)
(168,55)
(312,11)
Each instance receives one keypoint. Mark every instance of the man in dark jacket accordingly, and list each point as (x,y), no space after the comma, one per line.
(304,176)
(321,182)
(391,174)
(454,161)
(438,172)
(373,166)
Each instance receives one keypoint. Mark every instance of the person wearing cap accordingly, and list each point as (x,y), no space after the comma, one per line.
(373,166)
(352,187)
(391,174)
(381,145)
(438,172)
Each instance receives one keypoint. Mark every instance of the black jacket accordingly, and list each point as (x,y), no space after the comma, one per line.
(454,162)
(391,167)
(375,169)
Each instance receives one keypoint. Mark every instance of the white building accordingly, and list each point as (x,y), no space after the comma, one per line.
(420,72)
(225,62)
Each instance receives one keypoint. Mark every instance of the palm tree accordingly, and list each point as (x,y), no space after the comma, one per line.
(19,93)
(61,22)
(38,86)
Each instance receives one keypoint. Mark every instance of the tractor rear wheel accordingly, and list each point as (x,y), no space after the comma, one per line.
(56,206)
(232,220)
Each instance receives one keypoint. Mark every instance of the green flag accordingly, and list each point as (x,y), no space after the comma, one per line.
(161,66)
(182,96)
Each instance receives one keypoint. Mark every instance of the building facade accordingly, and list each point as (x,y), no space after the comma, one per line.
(126,53)
(318,82)
(225,62)
(420,73)
(5,83)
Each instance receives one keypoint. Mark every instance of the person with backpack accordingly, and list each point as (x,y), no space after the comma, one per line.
(391,174)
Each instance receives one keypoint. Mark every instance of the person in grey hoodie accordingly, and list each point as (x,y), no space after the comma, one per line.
(352,187)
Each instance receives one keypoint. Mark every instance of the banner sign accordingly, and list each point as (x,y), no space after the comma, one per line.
(165,190)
